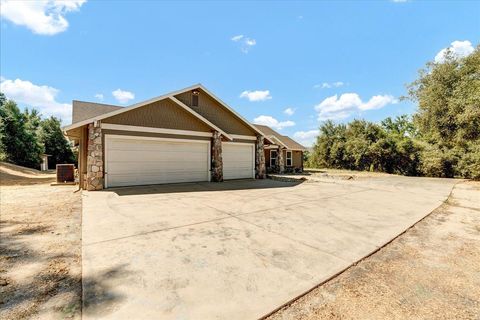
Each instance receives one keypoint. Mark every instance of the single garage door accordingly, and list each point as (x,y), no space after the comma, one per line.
(238,160)
(140,160)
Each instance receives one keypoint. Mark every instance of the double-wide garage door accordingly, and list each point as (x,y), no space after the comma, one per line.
(139,161)
(134,161)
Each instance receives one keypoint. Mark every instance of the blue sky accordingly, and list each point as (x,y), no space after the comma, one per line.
(320,60)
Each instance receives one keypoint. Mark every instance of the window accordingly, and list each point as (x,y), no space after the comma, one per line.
(289,159)
(273,158)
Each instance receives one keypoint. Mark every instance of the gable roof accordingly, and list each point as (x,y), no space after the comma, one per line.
(170,95)
(292,144)
(82,110)
(284,141)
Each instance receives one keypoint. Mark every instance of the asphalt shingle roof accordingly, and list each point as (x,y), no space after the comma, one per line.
(287,141)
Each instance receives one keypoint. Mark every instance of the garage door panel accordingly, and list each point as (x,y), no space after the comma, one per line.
(155,156)
(139,161)
(152,167)
(140,145)
(238,160)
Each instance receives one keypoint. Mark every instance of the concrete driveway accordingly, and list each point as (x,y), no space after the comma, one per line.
(238,249)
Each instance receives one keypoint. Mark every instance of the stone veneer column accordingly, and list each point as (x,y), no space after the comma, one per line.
(281,161)
(260,169)
(94,179)
(217,162)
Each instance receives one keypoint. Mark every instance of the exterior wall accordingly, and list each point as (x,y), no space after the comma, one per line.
(267,158)
(260,168)
(82,157)
(161,114)
(281,161)
(297,158)
(94,179)
(297,161)
(151,134)
(213,111)
(217,161)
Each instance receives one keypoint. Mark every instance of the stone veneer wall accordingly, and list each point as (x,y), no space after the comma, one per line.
(217,162)
(94,179)
(281,161)
(260,169)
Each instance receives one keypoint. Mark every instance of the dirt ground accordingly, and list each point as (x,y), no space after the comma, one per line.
(432,271)
(40,252)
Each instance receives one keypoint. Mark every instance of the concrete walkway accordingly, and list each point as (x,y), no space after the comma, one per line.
(238,249)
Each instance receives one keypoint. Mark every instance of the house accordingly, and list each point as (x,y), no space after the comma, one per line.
(188,135)
(285,155)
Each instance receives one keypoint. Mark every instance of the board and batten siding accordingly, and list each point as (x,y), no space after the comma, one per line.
(214,112)
(160,114)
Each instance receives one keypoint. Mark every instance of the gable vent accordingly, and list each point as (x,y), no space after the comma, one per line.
(195,94)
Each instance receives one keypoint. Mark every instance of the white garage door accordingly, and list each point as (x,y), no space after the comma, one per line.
(238,160)
(138,160)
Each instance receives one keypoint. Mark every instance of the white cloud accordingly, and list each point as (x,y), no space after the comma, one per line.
(257,95)
(306,138)
(336,108)
(245,43)
(250,42)
(326,85)
(289,111)
(272,122)
(237,38)
(43,98)
(123,96)
(377,102)
(46,17)
(459,49)
(99,96)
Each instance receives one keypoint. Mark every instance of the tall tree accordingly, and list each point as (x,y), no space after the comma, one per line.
(18,140)
(56,145)
(448,97)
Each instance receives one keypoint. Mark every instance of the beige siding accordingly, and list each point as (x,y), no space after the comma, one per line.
(297,159)
(151,134)
(161,114)
(216,113)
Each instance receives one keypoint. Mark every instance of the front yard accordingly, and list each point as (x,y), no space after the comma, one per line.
(40,246)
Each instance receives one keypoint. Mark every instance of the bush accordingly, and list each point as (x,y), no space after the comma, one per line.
(437,162)
(468,165)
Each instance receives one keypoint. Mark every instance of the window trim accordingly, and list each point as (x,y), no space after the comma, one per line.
(289,158)
(273,158)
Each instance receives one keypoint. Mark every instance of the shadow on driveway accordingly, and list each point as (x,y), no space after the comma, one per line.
(231,185)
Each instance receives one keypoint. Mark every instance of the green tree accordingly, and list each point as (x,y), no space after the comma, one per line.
(56,145)
(448,117)
(18,140)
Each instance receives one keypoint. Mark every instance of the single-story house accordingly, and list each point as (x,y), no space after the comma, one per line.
(284,155)
(188,135)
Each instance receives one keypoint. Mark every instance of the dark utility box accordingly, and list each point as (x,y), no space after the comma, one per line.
(65,173)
